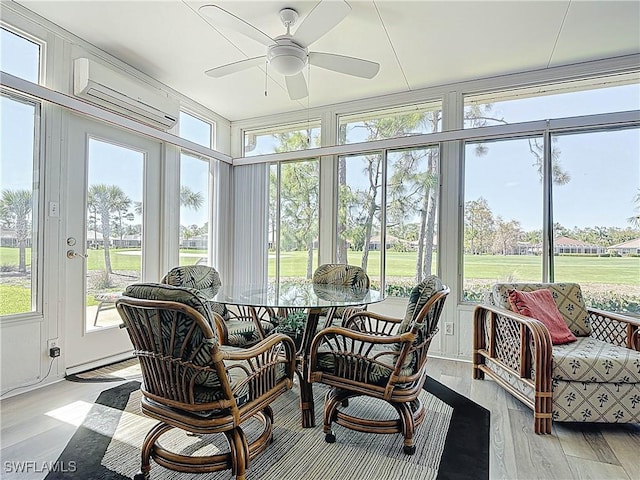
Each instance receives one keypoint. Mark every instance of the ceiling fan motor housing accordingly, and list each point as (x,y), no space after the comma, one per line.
(287,57)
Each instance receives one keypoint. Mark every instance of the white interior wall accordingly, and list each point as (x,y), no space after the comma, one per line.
(23,339)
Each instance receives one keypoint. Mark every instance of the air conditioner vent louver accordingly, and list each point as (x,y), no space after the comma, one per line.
(124,95)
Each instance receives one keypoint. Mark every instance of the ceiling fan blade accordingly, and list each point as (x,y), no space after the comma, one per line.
(296,86)
(349,65)
(324,16)
(236,66)
(222,18)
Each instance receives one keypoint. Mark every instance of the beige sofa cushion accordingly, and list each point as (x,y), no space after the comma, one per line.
(592,360)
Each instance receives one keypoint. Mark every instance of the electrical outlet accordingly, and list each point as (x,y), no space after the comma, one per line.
(52,343)
(448,328)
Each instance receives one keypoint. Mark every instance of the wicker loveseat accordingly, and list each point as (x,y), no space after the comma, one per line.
(595,378)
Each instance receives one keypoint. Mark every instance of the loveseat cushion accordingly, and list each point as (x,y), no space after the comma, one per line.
(592,360)
(568,298)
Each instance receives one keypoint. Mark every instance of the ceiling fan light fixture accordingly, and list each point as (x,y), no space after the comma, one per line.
(287,59)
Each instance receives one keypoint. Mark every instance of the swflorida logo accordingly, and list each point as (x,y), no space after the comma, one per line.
(30,466)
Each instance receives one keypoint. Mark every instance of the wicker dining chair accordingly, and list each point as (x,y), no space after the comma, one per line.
(380,357)
(193,384)
(242,326)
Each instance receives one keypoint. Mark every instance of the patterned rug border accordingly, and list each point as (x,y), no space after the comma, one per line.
(465,455)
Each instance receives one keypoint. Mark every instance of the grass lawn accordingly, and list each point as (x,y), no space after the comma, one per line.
(483,268)
(610,270)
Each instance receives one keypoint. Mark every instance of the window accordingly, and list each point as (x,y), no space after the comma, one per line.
(19,167)
(293,219)
(285,138)
(592,193)
(194,210)
(115,218)
(587,97)
(196,130)
(19,57)
(396,245)
(359,228)
(503,207)
(596,217)
(411,218)
(391,123)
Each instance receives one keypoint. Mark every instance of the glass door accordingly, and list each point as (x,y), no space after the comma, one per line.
(112,233)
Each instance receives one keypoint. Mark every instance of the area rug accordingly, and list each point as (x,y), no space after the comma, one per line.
(452,442)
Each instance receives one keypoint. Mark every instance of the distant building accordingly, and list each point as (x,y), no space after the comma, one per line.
(570,245)
(626,248)
(197,242)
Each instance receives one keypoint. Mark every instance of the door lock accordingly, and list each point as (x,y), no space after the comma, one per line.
(74,254)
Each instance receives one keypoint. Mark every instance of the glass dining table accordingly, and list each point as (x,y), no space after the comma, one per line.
(315,299)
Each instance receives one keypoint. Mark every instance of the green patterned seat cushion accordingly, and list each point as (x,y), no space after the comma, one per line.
(378,372)
(237,375)
(199,350)
(242,332)
(339,274)
(203,278)
(568,298)
(418,298)
(373,372)
(592,360)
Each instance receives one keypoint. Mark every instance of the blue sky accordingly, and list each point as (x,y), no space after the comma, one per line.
(604,167)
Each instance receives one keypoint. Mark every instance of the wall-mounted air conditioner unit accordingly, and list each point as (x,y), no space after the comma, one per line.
(124,95)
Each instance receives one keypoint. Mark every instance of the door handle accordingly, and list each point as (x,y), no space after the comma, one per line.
(73,254)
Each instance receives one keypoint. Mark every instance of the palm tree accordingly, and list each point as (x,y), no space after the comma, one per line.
(190,199)
(15,211)
(105,200)
(635,219)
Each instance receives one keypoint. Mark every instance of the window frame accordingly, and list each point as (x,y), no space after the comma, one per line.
(38,216)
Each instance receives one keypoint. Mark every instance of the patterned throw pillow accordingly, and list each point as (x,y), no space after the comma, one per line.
(567,296)
(539,304)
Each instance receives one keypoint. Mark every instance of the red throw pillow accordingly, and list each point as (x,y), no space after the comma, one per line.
(540,305)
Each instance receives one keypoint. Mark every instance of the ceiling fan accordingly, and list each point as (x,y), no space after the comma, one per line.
(288,54)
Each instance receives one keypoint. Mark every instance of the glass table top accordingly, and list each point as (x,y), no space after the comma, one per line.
(296,294)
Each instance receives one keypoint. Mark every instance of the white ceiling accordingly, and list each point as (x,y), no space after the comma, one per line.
(418,43)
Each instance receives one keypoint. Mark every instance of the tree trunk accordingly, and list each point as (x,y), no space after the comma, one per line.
(310,259)
(106,238)
(341,242)
(22,258)
(432,200)
(373,193)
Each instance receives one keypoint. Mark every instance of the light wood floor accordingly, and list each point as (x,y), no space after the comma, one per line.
(37,425)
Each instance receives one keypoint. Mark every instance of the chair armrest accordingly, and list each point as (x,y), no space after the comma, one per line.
(266,366)
(221,328)
(370,322)
(364,337)
(615,328)
(261,347)
(345,342)
(520,343)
